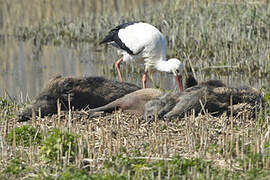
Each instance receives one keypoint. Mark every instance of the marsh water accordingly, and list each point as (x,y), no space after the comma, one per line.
(25,68)
(25,72)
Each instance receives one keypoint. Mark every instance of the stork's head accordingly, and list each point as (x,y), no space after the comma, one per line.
(173,66)
(176,67)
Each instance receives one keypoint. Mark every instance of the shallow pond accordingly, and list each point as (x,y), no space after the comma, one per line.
(25,69)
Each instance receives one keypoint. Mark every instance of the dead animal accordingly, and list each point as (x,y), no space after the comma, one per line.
(161,105)
(190,81)
(81,92)
(214,99)
(133,102)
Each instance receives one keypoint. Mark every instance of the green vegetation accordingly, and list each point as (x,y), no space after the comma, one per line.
(267,94)
(212,38)
(25,135)
(6,107)
(16,168)
(74,173)
(58,144)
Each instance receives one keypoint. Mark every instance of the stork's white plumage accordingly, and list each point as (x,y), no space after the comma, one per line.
(142,42)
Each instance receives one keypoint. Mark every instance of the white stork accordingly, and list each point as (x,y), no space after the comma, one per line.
(142,42)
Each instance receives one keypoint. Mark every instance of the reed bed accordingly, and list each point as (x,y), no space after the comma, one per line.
(212,38)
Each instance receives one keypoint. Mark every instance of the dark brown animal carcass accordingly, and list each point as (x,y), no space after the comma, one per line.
(133,102)
(83,92)
(206,97)
(190,81)
(161,105)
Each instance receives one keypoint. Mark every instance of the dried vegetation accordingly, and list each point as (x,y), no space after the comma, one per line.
(121,145)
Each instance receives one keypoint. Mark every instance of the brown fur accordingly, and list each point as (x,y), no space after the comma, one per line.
(84,92)
(201,98)
(191,81)
(133,102)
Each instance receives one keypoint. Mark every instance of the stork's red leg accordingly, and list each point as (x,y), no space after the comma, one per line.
(117,65)
(144,79)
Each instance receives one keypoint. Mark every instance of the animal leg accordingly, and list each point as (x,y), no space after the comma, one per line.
(117,65)
(144,79)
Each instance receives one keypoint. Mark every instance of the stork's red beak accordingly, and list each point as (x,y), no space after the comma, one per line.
(179,81)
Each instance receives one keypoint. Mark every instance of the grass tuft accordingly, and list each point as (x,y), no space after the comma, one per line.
(59,144)
(25,135)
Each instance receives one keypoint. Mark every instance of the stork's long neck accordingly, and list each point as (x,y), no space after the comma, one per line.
(163,65)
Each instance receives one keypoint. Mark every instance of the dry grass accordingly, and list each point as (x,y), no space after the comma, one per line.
(121,144)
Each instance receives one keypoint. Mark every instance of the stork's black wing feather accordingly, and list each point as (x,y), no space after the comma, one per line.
(113,37)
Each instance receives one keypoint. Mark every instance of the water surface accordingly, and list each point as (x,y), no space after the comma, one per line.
(26,67)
